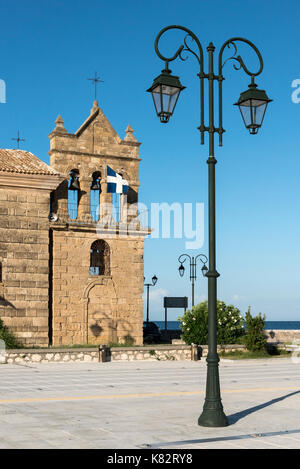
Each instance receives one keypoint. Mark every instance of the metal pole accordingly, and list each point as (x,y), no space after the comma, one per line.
(193,281)
(193,294)
(147,320)
(213,414)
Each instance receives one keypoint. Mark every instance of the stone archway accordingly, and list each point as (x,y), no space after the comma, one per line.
(100,311)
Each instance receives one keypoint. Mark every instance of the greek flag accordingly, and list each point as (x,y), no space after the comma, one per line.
(116,183)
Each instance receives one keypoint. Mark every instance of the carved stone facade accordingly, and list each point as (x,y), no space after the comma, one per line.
(73,300)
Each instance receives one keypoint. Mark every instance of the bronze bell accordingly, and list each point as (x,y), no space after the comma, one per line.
(95,186)
(74,184)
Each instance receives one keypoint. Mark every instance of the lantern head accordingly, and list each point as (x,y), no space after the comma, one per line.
(165,92)
(181,270)
(253,104)
(154,280)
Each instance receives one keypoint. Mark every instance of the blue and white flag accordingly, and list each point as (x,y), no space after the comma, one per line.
(116,183)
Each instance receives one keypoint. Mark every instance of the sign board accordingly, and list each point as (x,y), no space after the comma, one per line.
(175,302)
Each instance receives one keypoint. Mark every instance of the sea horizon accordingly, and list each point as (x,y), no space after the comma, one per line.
(270,325)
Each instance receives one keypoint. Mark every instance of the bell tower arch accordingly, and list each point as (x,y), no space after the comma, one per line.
(92,302)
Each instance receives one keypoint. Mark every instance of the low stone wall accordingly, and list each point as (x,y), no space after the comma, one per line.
(103,354)
(174,351)
(52,355)
(277,335)
(167,352)
(157,352)
(203,349)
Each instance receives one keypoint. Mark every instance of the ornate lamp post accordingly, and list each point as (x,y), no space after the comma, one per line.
(252,103)
(193,269)
(148,285)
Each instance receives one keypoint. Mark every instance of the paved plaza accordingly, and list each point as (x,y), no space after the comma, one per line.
(148,405)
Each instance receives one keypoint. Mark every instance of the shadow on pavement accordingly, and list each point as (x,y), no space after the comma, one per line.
(239,415)
(184,443)
(232,420)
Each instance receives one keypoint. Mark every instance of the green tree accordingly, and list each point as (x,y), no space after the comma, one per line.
(255,338)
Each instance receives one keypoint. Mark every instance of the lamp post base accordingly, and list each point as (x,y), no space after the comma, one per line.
(213,414)
(213,418)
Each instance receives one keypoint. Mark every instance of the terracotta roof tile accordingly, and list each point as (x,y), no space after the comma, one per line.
(20,161)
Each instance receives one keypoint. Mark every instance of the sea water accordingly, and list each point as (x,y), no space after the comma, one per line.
(280,325)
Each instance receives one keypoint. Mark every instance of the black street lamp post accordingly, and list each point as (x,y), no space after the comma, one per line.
(148,285)
(193,269)
(252,103)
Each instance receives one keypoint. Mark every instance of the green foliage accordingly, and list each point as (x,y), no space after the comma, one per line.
(230,323)
(194,324)
(236,354)
(255,338)
(10,340)
(117,344)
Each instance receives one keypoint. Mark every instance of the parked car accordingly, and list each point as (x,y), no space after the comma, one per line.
(151,333)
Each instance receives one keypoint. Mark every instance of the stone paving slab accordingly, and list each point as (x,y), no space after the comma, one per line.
(148,405)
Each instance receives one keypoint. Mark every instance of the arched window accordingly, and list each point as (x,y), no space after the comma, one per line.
(73,190)
(100,258)
(95,196)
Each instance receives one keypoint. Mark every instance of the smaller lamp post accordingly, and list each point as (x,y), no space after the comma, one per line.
(193,269)
(148,285)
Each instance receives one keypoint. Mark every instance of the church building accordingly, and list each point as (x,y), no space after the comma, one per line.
(71,246)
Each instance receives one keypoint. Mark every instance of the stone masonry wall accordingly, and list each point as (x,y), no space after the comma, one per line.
(24,253)
(96,309)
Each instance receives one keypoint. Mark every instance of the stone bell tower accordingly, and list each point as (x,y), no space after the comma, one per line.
(97,275)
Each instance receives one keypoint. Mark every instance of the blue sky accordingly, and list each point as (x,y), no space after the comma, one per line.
(48,49)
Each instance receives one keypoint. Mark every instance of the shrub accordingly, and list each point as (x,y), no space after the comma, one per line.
(255,338)
(230,323)
(194,324)
(9,339)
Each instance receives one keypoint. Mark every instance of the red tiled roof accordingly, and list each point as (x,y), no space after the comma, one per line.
(20,161)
